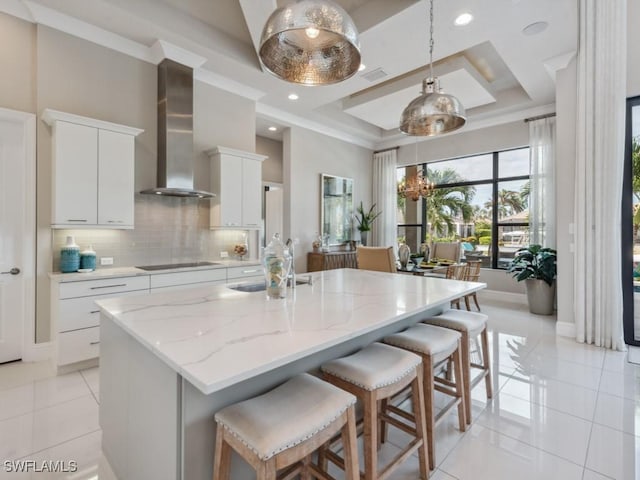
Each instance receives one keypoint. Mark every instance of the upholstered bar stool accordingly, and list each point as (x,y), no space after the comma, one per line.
(470,325)
(436,346)
(278,431)
(375,374)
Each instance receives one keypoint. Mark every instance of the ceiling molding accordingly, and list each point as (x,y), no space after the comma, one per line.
(400,139)
(559,62)
(289,120)
(226,84)
(162,49)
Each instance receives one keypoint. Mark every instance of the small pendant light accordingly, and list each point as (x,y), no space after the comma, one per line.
(433,112)
(311,42)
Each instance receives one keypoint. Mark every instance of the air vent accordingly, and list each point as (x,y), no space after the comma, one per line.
(374,75)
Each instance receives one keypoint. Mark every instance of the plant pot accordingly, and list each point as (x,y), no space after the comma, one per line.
(540,296)
(363,238)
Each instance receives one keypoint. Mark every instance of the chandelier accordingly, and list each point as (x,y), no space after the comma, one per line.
(311,42)
(433,112)
(415,187)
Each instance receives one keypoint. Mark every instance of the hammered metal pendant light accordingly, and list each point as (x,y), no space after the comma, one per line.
(311,42)
(433,112)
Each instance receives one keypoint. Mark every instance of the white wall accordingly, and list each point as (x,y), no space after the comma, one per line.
(501,137)
(633,52)
(272,166)
(566,104)
(308,154)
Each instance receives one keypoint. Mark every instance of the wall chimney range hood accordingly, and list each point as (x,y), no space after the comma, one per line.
(175,132)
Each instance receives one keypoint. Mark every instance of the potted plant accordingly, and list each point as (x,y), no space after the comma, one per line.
(365,221)
(536,265)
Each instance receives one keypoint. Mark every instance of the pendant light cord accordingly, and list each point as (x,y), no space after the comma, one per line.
(431,39)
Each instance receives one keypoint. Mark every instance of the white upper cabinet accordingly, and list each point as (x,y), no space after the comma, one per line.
(93,166)
(115,178)
(236,179)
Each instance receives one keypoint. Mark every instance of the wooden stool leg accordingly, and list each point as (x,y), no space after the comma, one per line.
(222,458)
(350,447)
(460,392)
(306,472)
(382,427)
(418,403)
(429,415)
(466,374)
(266,470)
(475,299)
(370,436)
(486,362)
(466,302)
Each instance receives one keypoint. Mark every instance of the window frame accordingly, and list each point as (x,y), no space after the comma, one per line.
(494,180)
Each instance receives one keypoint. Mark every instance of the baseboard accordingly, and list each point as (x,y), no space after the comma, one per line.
(566,329)
(38,352)
(520,298)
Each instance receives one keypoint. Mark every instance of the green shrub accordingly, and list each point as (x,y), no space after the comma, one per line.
(484,240)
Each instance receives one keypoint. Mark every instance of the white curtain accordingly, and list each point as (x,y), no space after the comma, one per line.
(542,196)
(385,197)
(600,130)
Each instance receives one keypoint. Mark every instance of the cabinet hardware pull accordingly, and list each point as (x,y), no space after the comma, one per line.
(94,311)
(115,221)
(75,220)
(249,271)
(94,343)
(110,286)
(13,271)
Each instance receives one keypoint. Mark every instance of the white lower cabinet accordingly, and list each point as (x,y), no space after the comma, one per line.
(76,317)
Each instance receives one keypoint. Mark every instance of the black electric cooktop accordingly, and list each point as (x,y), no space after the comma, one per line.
(175,265)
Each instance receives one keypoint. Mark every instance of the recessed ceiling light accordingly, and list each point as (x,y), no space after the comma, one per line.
(293,96)
(272,129)
(535,28)
(362,67)
(463,19)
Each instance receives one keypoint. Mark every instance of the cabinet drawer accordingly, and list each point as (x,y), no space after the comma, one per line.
(243,272)
(78,345)
(185,278)
(188,285)
(87,288)
(82,312)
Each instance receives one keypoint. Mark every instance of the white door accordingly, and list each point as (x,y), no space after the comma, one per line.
(17,231)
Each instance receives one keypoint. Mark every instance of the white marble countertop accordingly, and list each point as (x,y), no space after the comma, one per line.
(215,337)
(133,271)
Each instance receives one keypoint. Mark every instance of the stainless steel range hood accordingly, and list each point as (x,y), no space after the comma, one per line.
(175,132)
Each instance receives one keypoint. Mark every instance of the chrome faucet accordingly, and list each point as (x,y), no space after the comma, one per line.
(291,278)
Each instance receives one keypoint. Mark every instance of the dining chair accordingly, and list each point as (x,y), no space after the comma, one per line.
(446,251)
(472,274)
(379,259)
(457,271)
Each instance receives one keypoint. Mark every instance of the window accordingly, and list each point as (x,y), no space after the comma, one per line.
(481,201)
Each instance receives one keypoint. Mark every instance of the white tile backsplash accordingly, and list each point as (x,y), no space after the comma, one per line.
(167,230)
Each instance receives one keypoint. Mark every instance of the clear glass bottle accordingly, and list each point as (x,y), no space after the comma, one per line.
(276,264)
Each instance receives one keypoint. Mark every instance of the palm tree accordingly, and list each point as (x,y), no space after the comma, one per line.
(509,203)
(446,204)
(525,192)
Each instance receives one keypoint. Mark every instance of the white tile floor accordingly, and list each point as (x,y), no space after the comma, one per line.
(561,410)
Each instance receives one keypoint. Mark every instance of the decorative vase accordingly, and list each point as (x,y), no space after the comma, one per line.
(88,259)
(404,253)
(276,265)
(363,237)
(540,296)
(70,256)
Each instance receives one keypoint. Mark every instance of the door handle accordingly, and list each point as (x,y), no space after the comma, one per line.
(13,271)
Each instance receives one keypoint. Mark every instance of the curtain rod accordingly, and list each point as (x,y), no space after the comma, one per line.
(385,150)
(539,117)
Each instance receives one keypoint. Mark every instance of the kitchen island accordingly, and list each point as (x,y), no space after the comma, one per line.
(169,361)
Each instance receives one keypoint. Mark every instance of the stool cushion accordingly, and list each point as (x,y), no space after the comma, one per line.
(286,416)
(437,342)
(373,367)
(463,321)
